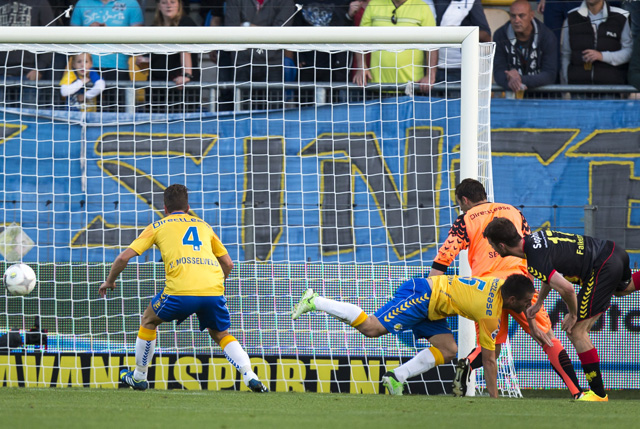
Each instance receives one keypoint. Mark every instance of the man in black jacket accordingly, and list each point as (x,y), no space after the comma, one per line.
(526,51)
(596,45)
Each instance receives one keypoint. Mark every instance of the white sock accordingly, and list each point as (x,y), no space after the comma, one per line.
(236,355)
(144,355)
(420,363)
(342,311)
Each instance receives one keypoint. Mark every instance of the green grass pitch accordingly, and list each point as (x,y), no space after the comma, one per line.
(123,408)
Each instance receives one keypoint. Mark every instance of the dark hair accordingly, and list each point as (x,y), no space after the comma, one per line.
(472,189)
(517,285)
(502,231)
(176,198)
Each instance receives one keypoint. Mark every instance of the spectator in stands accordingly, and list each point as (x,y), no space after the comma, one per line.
(526,51)
(24,67)
(315,66)
(212,12)
(358,11)
(458,13)
(111,13)
(59,8)
(596,45)
(555,13)
(634,64)
(397,67)
(258,64)
(143,7)
(181,67)
(633,7)
(80,84)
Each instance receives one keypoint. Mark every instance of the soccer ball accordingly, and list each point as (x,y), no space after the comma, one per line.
(19,279)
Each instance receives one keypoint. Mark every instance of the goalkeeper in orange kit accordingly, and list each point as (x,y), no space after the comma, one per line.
(466,233)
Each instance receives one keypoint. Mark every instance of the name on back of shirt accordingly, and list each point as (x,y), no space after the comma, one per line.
(161,222)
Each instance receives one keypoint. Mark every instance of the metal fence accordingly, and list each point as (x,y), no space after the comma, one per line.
(159,97)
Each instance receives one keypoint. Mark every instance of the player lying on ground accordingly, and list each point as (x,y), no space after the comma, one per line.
(422,305)
(196,265)
(466,233)
(557,259)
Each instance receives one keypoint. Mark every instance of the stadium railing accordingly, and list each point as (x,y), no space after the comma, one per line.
(228,96)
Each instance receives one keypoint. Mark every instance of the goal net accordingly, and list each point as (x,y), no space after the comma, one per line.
(308,179)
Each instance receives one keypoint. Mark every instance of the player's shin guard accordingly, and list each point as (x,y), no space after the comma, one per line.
(145,347)
(422,362)
(562,365)
(591,367)
(236,355)
(343,311)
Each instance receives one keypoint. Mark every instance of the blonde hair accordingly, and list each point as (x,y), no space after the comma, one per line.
(158,19)
(74,56)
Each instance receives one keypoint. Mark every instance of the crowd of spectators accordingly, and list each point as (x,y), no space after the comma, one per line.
(589,42)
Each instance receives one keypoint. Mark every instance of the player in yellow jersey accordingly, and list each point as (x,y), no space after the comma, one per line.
(422,306)
(196,264)
(466,233)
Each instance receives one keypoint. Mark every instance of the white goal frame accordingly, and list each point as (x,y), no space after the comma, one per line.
(202,39)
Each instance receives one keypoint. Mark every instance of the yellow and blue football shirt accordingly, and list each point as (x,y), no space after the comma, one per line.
(476,298)
(189,249)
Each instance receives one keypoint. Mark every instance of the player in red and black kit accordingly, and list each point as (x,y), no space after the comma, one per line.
(558,259)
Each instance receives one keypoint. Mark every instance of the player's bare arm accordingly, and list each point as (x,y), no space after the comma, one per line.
(631,288)
(542,338)
(226,264)
(568,294)
(435,272)
(542,295)
(119,264)
(490,371)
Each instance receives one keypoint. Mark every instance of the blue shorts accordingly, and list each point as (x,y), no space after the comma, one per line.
(212,311)
(409,310)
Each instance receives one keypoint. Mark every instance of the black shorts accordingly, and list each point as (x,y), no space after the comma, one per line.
(610,271)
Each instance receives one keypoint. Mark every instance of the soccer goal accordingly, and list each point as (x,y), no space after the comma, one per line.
(308,179)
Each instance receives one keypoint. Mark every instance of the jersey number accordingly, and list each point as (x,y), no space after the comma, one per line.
(479,284)
(191,238)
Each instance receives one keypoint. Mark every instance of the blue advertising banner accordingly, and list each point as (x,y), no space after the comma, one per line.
(320,189)
(82,187)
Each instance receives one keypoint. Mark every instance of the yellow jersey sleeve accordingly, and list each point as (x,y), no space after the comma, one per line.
(217,246)
(489,328)
(144,241)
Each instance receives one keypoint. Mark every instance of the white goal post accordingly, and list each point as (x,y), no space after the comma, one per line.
(472,139)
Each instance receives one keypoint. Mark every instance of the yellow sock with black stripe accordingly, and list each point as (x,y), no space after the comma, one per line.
(422,362)
(343,311)
(236,355)
(145,348)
